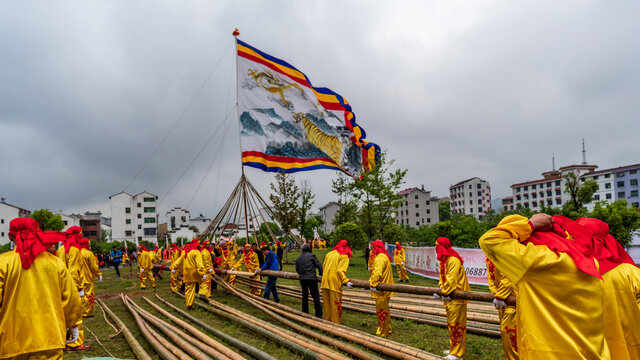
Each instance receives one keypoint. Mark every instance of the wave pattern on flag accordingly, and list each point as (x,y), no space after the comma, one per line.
(288,125)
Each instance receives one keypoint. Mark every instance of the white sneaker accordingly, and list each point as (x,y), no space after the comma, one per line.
(446,352)
(453,357)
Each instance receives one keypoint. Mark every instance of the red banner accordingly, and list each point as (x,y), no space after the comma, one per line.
(422,261)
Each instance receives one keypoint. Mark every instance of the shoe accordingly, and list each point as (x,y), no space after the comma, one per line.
(78,348)
(452,357)
(446,352)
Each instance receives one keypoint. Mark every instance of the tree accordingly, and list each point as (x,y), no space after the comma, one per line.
(395,233)
(623,222)
(47,220)
(306,202)
(580,192)
(105,235)
(444,210)
(350,232)
(285,201)
(194,229)
(348,212)
(314,222)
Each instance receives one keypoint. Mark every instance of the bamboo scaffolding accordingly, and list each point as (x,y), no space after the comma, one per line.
(206,339)
(135,346)
(151,339)
(254,352)
(382,345)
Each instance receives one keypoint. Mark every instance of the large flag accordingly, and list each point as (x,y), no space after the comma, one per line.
(288,125)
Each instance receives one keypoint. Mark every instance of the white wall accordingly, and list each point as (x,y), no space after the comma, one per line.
(7,213)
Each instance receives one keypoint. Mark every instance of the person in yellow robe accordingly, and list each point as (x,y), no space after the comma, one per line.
(228,261)
(176,268)
(193,270)
(90,271)
(622,290)
(125,258)
(560,291)
(251,264)
(502,288)
(381,273)
(74,262)
(205,286)
(370,260)
(145,264)
(39,302)
(335,266)
(398,259)
(453,277)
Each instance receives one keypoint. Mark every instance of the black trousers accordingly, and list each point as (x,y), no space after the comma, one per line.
(115,265)
(311,285)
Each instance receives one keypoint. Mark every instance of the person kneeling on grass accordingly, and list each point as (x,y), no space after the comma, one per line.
(270,263)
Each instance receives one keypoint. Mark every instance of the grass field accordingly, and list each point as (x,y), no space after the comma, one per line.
(422,336)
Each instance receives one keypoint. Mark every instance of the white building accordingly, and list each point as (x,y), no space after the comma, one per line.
(134,216)
(200,223)
(418,208)
(177,218)
(9,212)
(471,196)
(328,214)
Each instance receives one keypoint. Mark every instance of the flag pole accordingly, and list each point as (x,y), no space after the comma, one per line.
(236,33)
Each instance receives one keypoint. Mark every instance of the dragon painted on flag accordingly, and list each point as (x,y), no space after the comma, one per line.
(288,125)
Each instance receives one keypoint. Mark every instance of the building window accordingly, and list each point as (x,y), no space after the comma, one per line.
(549,202)
(471,210)
(533,187)
(633,171)
(150,220)
(620,174)
(534,195)
(470,194)
(417,206)
(417,223)
(608,196)
(402,221)
(518,189)
(534,203)
(139,204)
(596,197)
(139,238)
(479,193)
(470,187)
(633,182)
(518,197)
(557,192)
(139,226)
(621,195)
(149,199)
(634,193)
(127,210)
(416,197)
(634,205)
(470,202)
(149,231)
(423,220)
(558,201)
(417,214)
(427,202)
(526,188)
(428,211)
(606,176)
(620,183)
(128,221)
(557,182)
(607,186)
(526,205)
(139,216)
(429,219)
(479,209)
(149,209)
(127,233)
(549,193)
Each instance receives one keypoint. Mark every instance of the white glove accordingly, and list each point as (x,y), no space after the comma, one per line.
(499,304)
(210,271)
(256,272)
(446,298)
(436,296)
(233,269)
(81,293)
(373,289)
(74,335)
(349,284)
(141,271)
(368,268)
(100,278)
(402,263)
(204,277)
(173,271)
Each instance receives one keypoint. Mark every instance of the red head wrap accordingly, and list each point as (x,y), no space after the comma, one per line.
(604,247)
(343,248)
(191,246)
(263,244)
(398,247)
(84,244)
(378,248)
(556,240)
(29,241)
(174,246)
(204,244)
(444,249)
(74,234)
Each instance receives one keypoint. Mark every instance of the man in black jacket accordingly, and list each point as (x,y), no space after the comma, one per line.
(306,265)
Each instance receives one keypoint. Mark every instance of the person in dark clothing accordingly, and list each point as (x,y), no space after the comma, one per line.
(116,258)
(367,252)
(306,265)
(270,263)
(279,252)
(254,246)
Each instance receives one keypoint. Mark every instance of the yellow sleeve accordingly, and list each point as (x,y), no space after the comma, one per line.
(71,304)
(376,272)
(502,245)
(92,263)
(452,271)
(401,254)
(255,263)
(491,276)
(178,262)
(75,267)
(343,266)
(504,288)
(200,265)
(238,264)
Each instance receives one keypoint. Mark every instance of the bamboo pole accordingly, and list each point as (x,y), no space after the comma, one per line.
(137,349)
(151,339)
(255,352)
(172,348)
(197,333)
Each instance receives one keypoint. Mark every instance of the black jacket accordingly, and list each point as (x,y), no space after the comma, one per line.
(306,265)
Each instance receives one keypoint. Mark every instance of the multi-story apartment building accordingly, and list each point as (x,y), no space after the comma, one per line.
(471,196)
(507,203)
(620,183)
(328,214)
(548,191)
(177,218)
(134,217)
(9,212)
(418,208)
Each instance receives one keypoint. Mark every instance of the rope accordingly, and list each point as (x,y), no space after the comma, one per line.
(107,320)
(98,340)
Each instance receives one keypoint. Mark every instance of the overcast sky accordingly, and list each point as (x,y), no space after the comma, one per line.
(452,90)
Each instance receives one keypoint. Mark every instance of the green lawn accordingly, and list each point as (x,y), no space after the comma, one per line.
(429,338)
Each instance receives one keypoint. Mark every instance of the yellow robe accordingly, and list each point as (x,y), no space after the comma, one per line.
(251,266)
(205,286)
(398,259)
(502,288)
(176,264)
(228,262)
(622,311)
(90,271)
(145,262)
(560,312)
(37,305)
(193,270)
(334,275)
(74,263)
(452,278)
(381,272)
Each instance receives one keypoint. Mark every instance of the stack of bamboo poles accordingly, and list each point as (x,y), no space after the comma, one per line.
(482,319)
(289,317)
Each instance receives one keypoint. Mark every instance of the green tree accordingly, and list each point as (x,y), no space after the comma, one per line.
(444,210)
(105,235)
(285,201)
(623,222)
(348,212)
(581,193)
(306,202)
(394,232)
(350,232)
(48,220)
(263,232)
(314,222)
